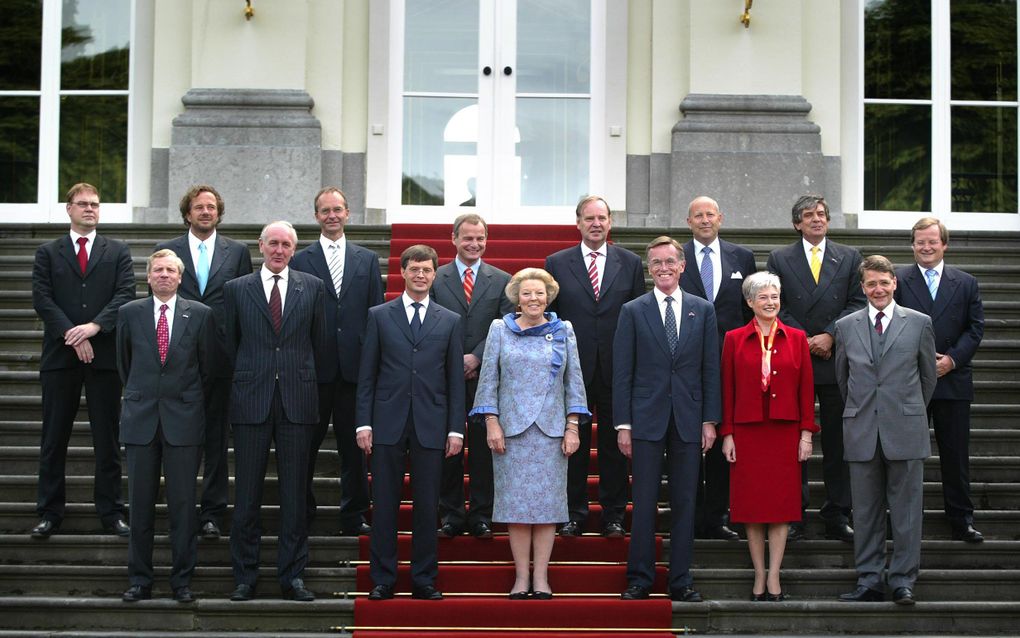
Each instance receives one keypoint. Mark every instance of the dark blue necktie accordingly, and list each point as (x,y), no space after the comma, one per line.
(416,321)
(671,336)
(707,274)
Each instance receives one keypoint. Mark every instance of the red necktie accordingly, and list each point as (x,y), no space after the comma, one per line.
(469,284)
(162,334)
(593,274)
(878,322)
(276,305)
(83,255)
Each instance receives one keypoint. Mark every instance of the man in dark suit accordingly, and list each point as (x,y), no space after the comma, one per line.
(210,261)
(468,275)
(884,363)
(410,404)
(78,284)
(721,270)
(596,279)
(667,401)
(821,284)
(951,298)
(276,332)
(163,356)
(353,285)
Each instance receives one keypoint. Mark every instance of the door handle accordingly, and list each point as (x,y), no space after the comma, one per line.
(507,70)
(487,70)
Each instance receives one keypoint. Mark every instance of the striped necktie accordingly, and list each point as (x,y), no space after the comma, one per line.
(469,285)
(932,276)
(593,274)
(336,268)
(707,273)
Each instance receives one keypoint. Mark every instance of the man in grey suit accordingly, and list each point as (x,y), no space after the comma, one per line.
(410,404)
(163,356)
(821,284)
(276,333)
(353,285)
(210,261)
(885,368)
(474,290)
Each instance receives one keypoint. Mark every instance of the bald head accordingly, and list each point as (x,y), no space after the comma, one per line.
(704,219)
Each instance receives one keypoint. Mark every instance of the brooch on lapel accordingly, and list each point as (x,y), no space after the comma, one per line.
(184,315)
(549,337)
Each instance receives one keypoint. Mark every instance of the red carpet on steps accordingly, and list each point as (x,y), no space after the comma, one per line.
(466,548)
(552,633)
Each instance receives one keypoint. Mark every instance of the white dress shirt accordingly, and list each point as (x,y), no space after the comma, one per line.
(600,261)
(716,264)
(886,315)
(938,277)
(171,304)
(267,284)
(210,248)
(808,246)
(91,237)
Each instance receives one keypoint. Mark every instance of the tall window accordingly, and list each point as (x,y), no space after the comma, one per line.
(64,88)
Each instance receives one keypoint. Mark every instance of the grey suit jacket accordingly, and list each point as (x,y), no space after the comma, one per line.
(887,393)
(170,393)
(487,301)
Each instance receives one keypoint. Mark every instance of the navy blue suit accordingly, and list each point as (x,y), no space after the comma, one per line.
(731,312)
(594,323)
(411,392)
(346,315)
(665,398)
(958,318)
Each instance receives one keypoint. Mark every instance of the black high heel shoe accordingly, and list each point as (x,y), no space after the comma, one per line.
(776,598)
(519,595)
(758,598)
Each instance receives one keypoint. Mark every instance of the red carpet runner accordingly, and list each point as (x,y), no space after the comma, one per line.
(587,574)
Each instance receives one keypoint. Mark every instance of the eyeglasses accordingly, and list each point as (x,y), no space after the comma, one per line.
(87,204)
(659,263)
(336,210)
(415,271)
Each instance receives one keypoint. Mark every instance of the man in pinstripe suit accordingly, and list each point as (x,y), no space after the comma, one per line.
(275,332)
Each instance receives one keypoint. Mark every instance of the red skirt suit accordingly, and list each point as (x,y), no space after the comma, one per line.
(765,479)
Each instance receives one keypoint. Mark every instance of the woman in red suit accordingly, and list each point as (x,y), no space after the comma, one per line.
(768,420)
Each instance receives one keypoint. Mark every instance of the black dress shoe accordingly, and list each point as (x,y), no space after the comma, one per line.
(775,598)
(758,598)
(862,595)
(361,529)
(635,592)
(967,534)
(135,593)
(685,595)
(571,529)
(796,533)
(210,530)
(184,595)
(45,528)
(613,530)
(243,592)
(428,592)
(297,591)
(519,595)
(481,530)
(381,592)
(542,595)
(119,528)
(903,596)
(723,533)
(449,530)
(840,532)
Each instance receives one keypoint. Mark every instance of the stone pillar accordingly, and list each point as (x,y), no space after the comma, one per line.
(754,154)
(260,148)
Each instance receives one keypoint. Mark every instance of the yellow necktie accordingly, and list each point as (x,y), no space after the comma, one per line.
(816,263)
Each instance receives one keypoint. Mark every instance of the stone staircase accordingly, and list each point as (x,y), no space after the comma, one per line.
(70,584)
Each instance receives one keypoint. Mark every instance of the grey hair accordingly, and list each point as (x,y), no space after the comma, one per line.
(289,227)
(760,281)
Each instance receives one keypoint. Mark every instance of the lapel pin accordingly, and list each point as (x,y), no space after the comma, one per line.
(690,314)
(184,316)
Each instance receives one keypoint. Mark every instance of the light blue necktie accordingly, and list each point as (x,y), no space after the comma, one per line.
(202,267)
(933,285)
(670,324)
(707,272)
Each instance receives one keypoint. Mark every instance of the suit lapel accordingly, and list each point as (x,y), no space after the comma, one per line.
(219,256)
(66,250)
(655,325)
(862,327)
(98,248)
(182,315)
(431,319)
(580,271)
(948,288)
(482,284)
(832,261)
(916,286)
(895,328)
(695,276)
(295,289)
(456,287)
(148,325)
(799,266)
(689,316)
(399,316)
(354,267)
(727,264)
(610,271)
(258,295)
(320,267)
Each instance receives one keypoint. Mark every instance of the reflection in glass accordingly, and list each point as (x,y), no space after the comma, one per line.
(897,49)
(983,49)
(441,46)
(553,46)
(93,145)
(984,161)
(554,150)
(897,157)
(21,51)
(19,149)
(95,44)
(440,151)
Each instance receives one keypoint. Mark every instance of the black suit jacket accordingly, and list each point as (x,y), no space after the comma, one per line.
(737,263)
(63,298)
(261,358)
(347,315)
(595,322)
(231,259)
(171,393)
(958,317)
(814,308)
(488,301)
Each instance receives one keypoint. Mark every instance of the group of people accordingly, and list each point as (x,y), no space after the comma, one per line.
(715,373)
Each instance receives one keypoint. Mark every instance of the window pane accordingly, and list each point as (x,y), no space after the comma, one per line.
(440,151)
(95,45)
(553,46)
(93,145)
(983,49)
(553,150)
(441,46)
(897,49)
(21,52)
(19,150)
(897,157)
(984,159)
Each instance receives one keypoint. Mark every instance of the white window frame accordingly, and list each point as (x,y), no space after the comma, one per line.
(941,104)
